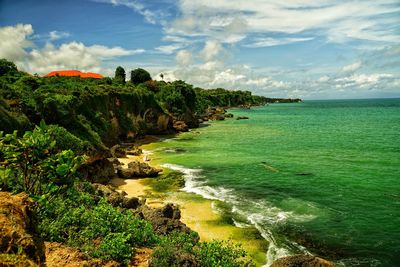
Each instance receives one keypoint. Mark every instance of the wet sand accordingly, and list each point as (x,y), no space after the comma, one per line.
(196,212)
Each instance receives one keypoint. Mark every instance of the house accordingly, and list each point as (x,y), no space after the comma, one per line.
(74,73)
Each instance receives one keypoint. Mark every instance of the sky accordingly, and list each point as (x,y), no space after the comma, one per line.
(310,49)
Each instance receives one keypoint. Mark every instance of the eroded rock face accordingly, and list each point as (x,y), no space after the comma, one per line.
(134,151)
(17,227)
(302,261)
(116,198)
(98,171)
(164,220)
(60,255)
(138,169)
(180,126)
(118,151)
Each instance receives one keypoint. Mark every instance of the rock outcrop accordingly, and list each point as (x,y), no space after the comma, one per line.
(17,229)
(302,261)
(138,169)
(116,198)
(60,255)
(164,220)
(98,171)
(117,151)
(180,126)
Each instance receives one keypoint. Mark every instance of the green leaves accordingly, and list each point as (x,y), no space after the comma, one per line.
(32,163)
(97,228)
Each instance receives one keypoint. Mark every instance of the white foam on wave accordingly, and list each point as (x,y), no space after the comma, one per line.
(259,214)
(195,183)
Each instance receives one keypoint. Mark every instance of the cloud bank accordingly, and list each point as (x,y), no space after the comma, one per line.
(17,47)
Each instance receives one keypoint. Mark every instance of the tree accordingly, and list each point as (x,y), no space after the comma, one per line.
(120,75)
(140,76)
(7,67)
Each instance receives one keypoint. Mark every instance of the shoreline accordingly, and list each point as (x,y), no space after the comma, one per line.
(197,212)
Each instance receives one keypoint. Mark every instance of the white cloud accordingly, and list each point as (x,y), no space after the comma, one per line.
(265,42)
(73,55)
(183,57)
(137,6)
(362,80)
(14,41)
(56,35)
(352,67)
(337,20)
(211,50)
(168,49)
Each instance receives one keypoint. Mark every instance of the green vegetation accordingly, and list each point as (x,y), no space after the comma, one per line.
(139,76)
(120,75)
(184,250)
(80,219)
(166,182)
(103,112)
(32,163)
(49,124)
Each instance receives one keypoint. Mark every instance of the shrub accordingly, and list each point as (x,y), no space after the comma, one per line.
(82,220)
(175,250)
(32,164)
(221,253)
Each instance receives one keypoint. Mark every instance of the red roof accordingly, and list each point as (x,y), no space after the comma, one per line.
(74,73)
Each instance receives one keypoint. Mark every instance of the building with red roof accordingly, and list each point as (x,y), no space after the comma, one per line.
(74,73)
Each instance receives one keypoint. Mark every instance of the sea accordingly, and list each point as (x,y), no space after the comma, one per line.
(317,177)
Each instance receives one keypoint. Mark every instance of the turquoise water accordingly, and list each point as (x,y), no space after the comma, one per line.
(320,177)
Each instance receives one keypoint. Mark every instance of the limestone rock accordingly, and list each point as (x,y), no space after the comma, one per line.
(60,255)
(17,228)
(98,171)
(180,126)
(118,151)
(116,198)
(138,169)
(218,117)
(164,220)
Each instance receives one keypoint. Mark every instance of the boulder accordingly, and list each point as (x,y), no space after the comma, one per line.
(180,126)
(228,115)
(134,151)
(18,234)
(98,171)
(218,117)
(138,169)
(117,151)
(164,220)
(116,198)
(302,261)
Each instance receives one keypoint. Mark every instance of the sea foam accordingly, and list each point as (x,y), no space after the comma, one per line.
(260,214)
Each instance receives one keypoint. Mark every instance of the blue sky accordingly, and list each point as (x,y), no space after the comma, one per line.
(312,49)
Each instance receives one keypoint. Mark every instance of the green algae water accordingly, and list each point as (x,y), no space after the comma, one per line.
(319,177)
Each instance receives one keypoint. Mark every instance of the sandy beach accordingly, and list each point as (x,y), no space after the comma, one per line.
(196,212)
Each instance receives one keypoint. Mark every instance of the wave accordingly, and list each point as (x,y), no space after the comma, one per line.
(246,213)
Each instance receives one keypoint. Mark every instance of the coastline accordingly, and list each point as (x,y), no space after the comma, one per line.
(197,212)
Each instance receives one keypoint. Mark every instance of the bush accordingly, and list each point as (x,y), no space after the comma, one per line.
(175,250)
(32,164)
(82,220)
(184,250)
(221,253)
